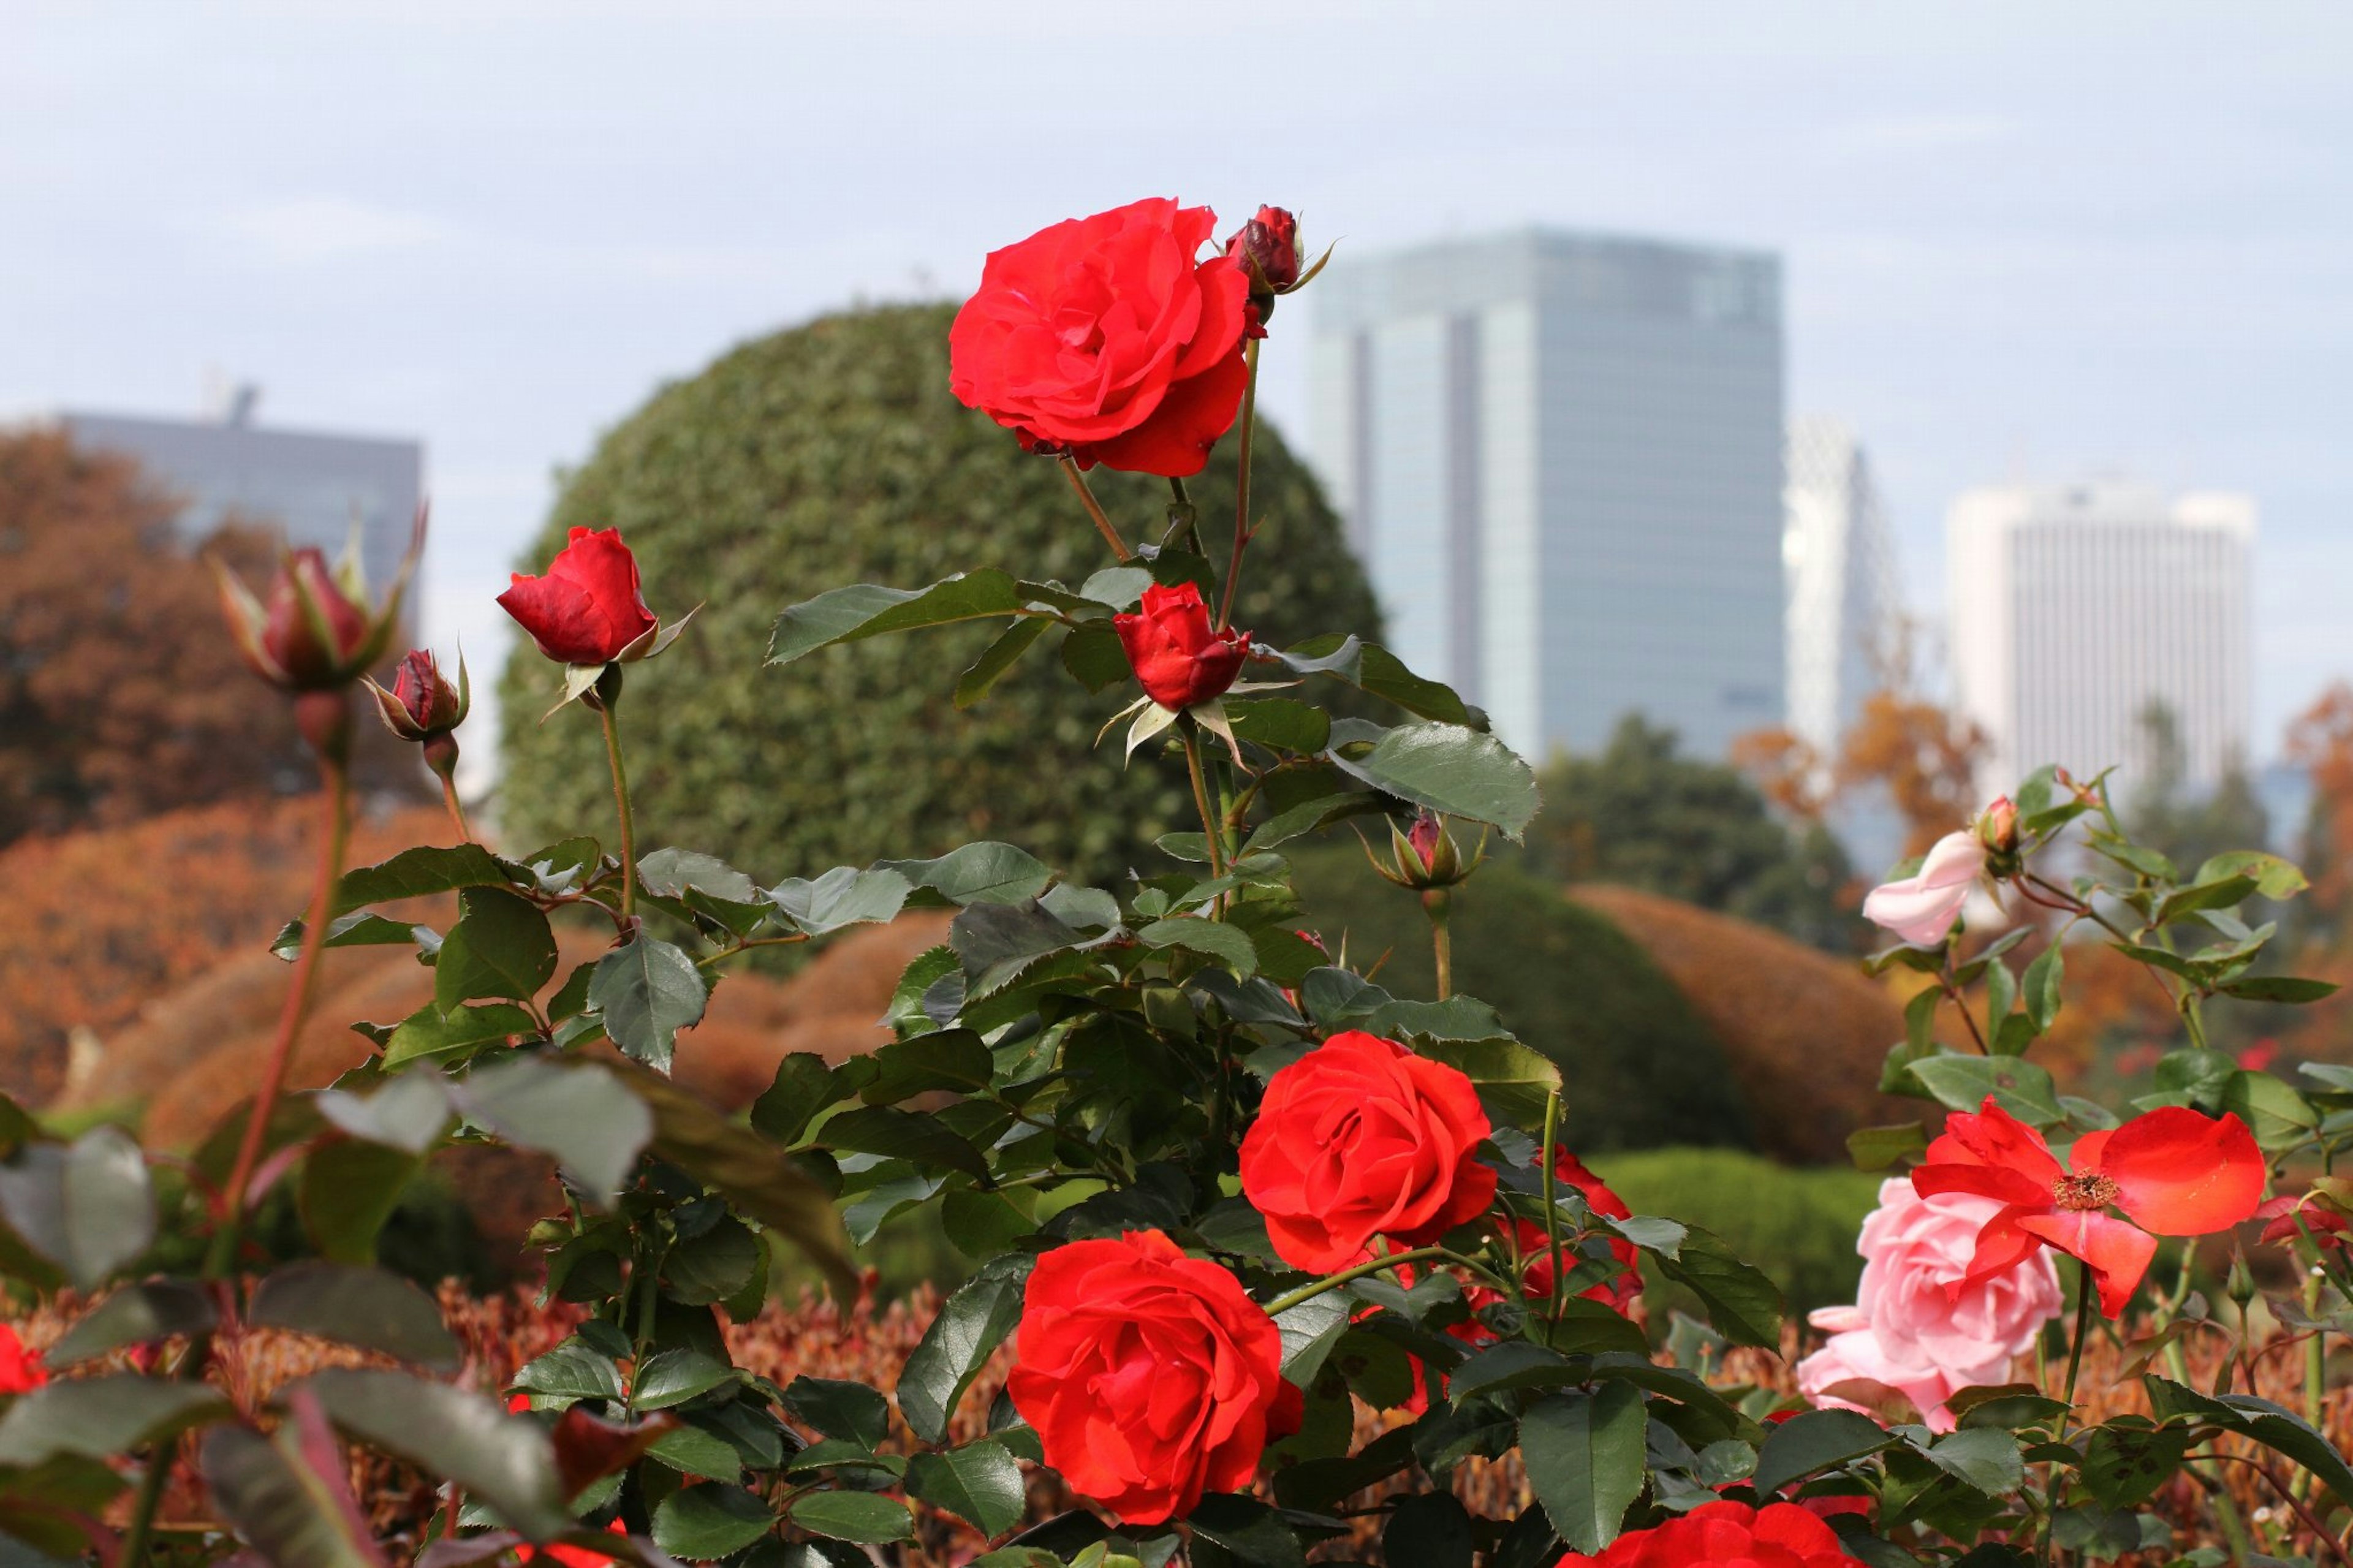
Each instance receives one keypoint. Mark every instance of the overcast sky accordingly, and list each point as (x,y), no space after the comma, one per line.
(2023,239)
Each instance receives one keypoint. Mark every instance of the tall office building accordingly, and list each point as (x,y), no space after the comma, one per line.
(1559,456)
(1840,569)
(2074,608)
(315,487)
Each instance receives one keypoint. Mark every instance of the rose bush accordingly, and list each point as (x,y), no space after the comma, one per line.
(1232,1201)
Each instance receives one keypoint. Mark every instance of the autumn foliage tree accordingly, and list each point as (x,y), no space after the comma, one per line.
(119,697)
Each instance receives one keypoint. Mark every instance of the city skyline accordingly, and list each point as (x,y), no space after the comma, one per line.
(2019,242)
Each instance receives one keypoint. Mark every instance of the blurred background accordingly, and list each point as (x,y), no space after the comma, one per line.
(1763,412)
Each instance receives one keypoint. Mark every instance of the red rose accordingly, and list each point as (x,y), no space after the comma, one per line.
(1778,1535)
(1103,336)
(588,609)
(1176,655)
(1358,1139)
(21,1370)
(1268,248)
(312,630)
(571,1556)
(1148,1374)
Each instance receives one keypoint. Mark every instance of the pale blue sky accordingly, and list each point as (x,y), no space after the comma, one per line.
(2020,239)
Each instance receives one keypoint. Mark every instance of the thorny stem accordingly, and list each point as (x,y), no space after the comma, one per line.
(1308,1292)
(1209,828)
(621,804)
(335,780)
(1242,530)
(457,811)
(1094,510)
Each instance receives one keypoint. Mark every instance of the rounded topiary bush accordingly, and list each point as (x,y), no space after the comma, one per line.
(830,454)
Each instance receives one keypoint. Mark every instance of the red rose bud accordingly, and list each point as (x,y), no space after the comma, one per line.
(315,630)
(1426,856)
(588,609)
(1997,826)
(1178,658)
(422,704)
(1267,249)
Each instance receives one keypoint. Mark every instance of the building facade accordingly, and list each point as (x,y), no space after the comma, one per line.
(1559,456)
(2073,608)
(1839,567)
(316,489)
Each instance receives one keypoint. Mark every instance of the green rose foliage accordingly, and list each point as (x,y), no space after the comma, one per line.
(834,454)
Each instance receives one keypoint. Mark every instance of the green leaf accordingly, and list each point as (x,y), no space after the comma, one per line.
(2285,988)
(501,948)
(1743,1305)
(2044,978)
(288,1496)
(646,992)
(1310,1330)
(415,872)
(999,658)
(1446,767)
(1876,1148)
(804,1085)
(865,610)
(840,1408)
(913,1135)
(573,1370)
(101,1417)
(1585,1460)
(674,1376)
(951,1060)
(136,1314)
(2125,1466)
(2275,879)
(1211,939)
(581,1113)
(1279,723)
(978,873)
(1298,821)
(1511,1363)
(357,929)
(1814,1441)
(750,1172)
(709,1519)
(979,1483)
(844,896)
(505,1460)
(670,873)
(1094,657)
(852,1516)
(356,1306)
(2278,1116)
(1513,1079)
(1371,668)
(1462,1018)
(407,1113)
(430,1034)
(86,1206)
(1983,1457)
(347,1191)
(714,1265)
(1430,1529)
(970,1326)
(1965,1083)
(1249,1532)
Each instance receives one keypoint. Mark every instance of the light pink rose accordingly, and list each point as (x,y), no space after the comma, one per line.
(1910,1329)
(1921,909)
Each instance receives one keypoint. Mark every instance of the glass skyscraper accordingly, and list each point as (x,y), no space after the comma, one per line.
(1560,457)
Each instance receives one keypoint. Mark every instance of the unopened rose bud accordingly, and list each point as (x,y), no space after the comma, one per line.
(313,628)
(2240,1283)
(1997,828)
(1425,856)
(422,702)
(1267,250)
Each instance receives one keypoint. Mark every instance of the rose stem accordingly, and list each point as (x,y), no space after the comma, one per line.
(1094,510)
(1210,830)
(456,812)
(1242,486)
(1551,1206)
(621,804)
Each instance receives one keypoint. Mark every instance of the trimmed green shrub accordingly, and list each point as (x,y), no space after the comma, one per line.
(833,454)
(1640,1067)
(1797,1225)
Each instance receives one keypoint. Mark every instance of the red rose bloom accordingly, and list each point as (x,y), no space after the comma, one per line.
(21,1370)
(571,1556)
(1177,657)
(1148,1374)
(1778,1535)
(588,609)
(1358,1139)
(1105,337)
(2172,1171)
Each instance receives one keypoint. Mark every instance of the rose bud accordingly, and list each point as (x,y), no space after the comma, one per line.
(315,630)
(1426,856)
(1268,249)
(1178,658)
(422,704)
(588,611)
(1997,828)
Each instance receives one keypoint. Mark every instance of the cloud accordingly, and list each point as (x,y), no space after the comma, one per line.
(313,229)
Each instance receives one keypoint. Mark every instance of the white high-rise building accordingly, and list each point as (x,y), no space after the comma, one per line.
(2075,607)
(1840,570)
(1559,456)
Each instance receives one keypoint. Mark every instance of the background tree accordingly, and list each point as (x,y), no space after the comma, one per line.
(834,454)
(2321,741)
(119,696)
(1642,814)
(2187,827)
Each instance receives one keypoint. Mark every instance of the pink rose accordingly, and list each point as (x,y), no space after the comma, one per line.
(1916,1326)
(1921,909)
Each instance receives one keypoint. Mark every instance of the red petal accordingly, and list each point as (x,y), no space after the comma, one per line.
(2180,1173)
(1174,442)
(2117,1253)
